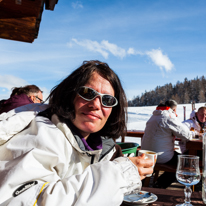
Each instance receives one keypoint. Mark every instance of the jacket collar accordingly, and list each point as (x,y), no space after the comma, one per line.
(163,108)
(93,142)
(75,140)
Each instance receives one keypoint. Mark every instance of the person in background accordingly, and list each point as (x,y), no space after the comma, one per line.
(63,157)
(197,121)
(21,96)
(160,132)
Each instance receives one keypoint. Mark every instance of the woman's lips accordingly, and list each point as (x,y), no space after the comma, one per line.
(92,115)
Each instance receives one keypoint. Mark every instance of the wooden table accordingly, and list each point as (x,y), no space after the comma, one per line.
(171,197)
(193,146)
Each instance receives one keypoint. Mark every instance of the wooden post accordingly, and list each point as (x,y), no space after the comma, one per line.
(184,109)
(123,139)
(193,105)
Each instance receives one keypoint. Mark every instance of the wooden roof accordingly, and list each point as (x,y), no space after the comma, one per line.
(20,19)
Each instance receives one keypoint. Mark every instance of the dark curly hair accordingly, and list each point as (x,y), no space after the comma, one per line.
(61,98)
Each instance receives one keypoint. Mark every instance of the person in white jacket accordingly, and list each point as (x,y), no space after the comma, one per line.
(160,132)
(197,121)
(59,154)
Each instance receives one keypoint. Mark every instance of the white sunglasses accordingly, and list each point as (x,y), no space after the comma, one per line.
(89,94)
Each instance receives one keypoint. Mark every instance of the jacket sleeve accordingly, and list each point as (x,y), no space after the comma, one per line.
(188,123)
(14,121)
(42,155)
(103,183)
(179,129)
(100,184)
(11,125)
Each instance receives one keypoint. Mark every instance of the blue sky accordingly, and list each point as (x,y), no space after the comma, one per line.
(148,43)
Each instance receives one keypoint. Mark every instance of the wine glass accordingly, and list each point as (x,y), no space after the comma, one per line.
(188,173)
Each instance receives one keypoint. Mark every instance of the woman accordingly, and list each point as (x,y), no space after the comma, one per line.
(62,157)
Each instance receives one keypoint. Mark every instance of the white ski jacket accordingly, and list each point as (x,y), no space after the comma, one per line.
(192,122)
(41,164)
(160,131)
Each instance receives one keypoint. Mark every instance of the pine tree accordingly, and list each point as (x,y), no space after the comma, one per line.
(176,98)
(201,96)
(186,98)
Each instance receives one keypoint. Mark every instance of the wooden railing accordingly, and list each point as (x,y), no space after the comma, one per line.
(134,133)
(193,146)
(139,133)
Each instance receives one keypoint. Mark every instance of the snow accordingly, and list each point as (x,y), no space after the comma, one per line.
(138,116)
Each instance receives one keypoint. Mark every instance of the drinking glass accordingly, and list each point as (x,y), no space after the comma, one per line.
(188,173)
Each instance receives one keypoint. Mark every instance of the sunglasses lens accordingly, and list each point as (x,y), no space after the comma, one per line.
(87,93)
(108,100)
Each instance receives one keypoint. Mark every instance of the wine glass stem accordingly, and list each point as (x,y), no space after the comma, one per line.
(188,193)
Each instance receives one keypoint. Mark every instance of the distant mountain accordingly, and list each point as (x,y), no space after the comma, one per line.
(184,93)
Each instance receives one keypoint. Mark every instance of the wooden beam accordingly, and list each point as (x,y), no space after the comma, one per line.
(23,29)
(50,4)
(20,21)
(9,9)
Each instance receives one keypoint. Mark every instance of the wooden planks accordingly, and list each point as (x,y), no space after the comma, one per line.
(20,19)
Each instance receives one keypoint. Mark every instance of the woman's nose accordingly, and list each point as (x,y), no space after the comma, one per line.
(96,102)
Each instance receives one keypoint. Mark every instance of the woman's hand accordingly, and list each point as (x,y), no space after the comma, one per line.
(143,165)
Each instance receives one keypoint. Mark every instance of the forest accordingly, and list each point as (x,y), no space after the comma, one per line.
(184,93)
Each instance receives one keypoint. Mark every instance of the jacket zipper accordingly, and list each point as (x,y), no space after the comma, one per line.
(92,159)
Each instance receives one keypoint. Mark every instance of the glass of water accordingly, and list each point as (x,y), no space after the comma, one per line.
(188,173)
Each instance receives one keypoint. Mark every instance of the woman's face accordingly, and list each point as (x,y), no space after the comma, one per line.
(91,116)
